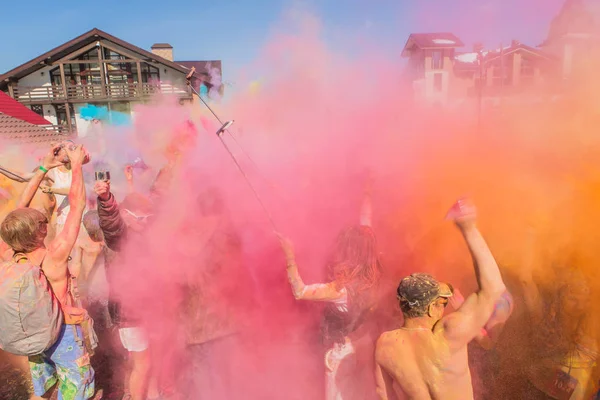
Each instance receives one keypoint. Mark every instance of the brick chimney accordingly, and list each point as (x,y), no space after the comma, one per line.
(163,50)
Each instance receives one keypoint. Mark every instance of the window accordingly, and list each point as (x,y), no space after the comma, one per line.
(90,55)
(150,74)
(438,80)
(437,59)
(38,109)
(502,72)
(527,71)
(61,115)
(72,74)
(123,107)
(111,55)
(119,75)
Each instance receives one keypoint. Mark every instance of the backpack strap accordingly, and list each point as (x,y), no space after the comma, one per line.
(21,258)
(74,291)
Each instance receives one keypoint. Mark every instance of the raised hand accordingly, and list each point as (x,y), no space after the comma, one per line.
(128,171)
(463,213)
(457,299)
(102,189)
(53,158)
(77,155)
(286,246)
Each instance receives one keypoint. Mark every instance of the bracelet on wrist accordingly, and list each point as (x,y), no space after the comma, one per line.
(43,169)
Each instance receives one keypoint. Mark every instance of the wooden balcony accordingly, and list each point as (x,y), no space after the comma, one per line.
(86,93)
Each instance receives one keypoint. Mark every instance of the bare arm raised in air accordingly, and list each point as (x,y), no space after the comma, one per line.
(50,161)
(493,328)
(301,291)
(60,248)
(366,211)
(466,323)
(129,177)
(111,223)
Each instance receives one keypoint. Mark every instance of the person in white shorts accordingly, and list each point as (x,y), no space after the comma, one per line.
(123,225)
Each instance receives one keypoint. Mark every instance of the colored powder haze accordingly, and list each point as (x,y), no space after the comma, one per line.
(316,126)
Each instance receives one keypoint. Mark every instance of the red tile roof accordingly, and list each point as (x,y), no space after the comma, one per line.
(10,106)
(16,130)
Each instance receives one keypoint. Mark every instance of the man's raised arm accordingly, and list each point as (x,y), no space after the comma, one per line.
(111,223)
(464,325)
(50,161)
(60,248)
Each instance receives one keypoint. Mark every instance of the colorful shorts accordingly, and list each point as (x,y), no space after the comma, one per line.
(66,363)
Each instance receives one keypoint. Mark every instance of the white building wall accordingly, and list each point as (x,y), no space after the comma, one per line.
(171,76)
(50,114)
(82,125)
(39,80)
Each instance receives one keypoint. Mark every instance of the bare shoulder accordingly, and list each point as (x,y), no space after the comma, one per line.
(89,246)
(447,321)
(388,344)
(450,322)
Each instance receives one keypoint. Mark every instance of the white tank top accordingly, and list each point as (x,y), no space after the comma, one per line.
(62,180)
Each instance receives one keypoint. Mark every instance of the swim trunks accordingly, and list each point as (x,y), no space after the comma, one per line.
(67,363)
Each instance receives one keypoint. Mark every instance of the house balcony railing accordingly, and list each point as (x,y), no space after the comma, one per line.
(97,92)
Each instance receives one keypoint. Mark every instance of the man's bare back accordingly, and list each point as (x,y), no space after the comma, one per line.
(90,251)
(422,365)
(427,358)
(88,266)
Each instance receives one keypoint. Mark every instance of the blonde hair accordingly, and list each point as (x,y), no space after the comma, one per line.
(24,230)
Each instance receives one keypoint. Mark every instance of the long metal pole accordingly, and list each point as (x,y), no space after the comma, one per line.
(12,175)
(239,167)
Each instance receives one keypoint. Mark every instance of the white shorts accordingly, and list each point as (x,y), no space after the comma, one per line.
(134,339)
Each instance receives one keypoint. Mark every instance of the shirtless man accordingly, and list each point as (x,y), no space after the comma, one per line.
(427,358)
(67,363)
(89,267)
(42,200)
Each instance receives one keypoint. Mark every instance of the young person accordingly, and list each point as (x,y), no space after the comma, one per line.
(124,226)
(350,296)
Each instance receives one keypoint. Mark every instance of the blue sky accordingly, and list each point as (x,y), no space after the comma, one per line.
(234,31)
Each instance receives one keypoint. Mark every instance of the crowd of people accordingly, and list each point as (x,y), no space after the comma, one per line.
(66,283)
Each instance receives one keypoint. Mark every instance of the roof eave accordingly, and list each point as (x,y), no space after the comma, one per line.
(36,63)
(531,50)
